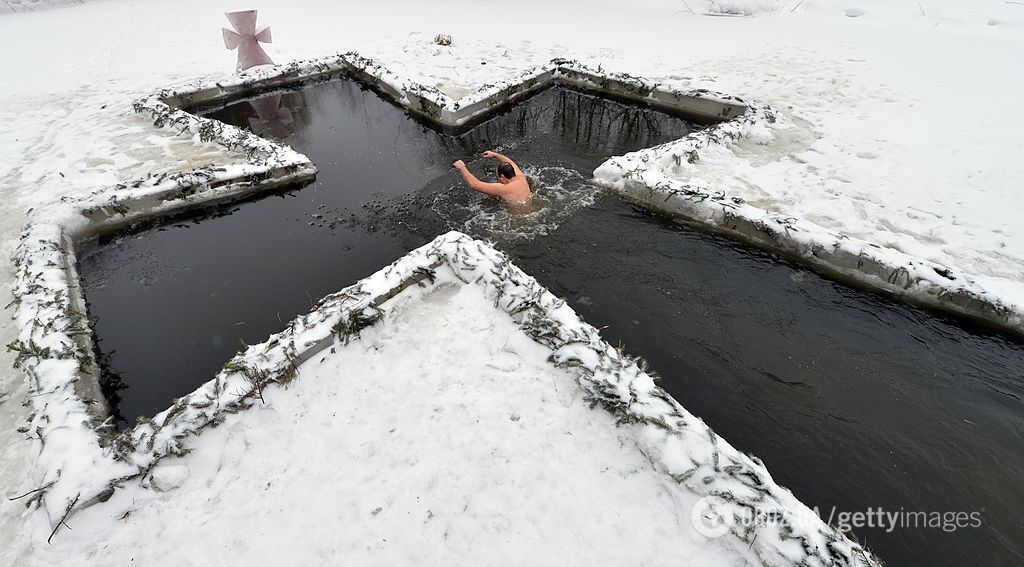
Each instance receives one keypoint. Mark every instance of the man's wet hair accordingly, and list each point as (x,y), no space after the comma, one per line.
(506,170)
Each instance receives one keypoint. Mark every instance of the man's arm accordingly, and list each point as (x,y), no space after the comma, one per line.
(495,189)
(503,159)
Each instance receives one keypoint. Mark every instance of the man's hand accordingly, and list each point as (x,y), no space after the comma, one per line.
(459,165)
(490,154)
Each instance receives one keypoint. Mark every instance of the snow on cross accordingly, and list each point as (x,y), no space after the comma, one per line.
(246,38)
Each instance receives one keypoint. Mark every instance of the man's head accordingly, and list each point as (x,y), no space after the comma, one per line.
(505,173)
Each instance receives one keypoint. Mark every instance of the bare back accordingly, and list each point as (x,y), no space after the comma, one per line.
(514,189)
(518,188)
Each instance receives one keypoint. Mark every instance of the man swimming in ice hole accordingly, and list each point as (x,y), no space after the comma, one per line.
(512,185)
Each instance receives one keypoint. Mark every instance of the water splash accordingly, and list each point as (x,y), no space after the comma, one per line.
(558,193)
(446,203)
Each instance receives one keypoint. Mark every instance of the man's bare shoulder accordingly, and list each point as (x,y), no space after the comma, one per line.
(520,190)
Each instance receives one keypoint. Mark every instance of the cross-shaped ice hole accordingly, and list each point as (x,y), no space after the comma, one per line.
(173,305)
(780,361)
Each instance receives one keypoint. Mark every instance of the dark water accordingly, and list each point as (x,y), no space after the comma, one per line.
(852,400)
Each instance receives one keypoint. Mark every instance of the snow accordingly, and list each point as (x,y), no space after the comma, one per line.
(896,127)
(918,163)
(383,458)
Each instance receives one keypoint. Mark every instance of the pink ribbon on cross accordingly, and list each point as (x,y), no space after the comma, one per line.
(246,38)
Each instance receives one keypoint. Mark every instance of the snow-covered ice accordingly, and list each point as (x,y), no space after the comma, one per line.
(899,120)
(384,458)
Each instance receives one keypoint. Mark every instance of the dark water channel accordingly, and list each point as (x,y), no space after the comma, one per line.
(853,401)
